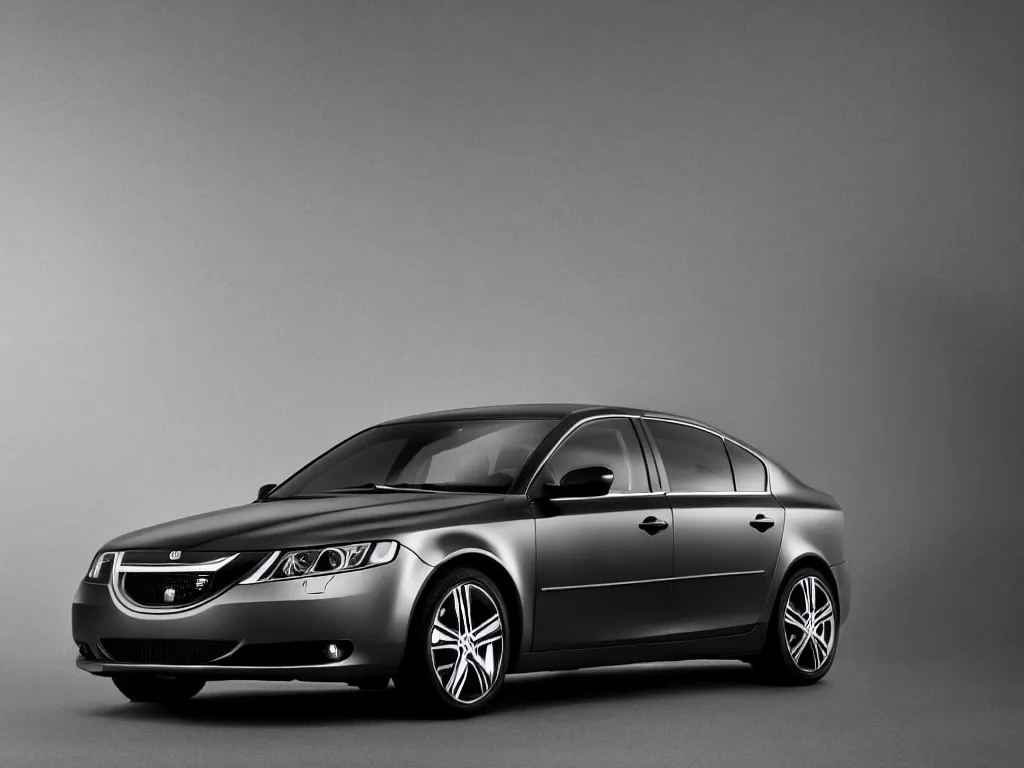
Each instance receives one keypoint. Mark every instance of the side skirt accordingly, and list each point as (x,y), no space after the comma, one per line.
(729,647)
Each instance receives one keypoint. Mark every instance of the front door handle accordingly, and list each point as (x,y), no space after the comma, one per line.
(761,523)
(653,525)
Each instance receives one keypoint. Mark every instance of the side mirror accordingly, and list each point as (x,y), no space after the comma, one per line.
(265,491)
(585,481)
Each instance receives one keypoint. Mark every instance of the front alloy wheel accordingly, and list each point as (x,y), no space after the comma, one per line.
(467,642)
(458,646)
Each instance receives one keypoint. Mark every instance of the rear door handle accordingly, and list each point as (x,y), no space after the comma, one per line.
(653,525)
(761,523)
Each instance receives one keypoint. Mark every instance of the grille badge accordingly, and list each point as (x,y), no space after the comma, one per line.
(169,595)
(176,554)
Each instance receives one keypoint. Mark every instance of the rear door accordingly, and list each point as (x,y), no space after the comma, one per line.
(726,537)
(602,578)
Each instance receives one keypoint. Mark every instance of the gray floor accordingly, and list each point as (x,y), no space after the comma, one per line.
(694,714)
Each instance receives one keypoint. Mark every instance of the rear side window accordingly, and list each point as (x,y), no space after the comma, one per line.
(695,460)
(751,476)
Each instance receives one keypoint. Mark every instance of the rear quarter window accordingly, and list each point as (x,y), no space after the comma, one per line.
(750,473)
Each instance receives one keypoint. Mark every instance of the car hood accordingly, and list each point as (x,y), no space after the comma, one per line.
(312,522)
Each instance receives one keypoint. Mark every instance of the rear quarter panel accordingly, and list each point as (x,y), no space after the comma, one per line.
(815,528)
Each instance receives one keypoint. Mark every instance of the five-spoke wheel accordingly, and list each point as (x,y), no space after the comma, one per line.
(467,642)
(801,641)
(461,665)
(810,622)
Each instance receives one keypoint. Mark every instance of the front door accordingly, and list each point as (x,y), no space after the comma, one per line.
(603,569)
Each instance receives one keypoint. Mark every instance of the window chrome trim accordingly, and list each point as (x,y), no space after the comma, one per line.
(566,436)
(651,581)
(718,493)
(671,420)
(629,495)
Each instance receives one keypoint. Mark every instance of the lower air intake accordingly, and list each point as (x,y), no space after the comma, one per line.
(133,651)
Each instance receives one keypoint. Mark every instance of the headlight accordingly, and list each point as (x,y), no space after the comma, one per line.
(319,562)
(99,570)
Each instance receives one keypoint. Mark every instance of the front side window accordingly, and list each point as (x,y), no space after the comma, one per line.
(469,455)
(695,460)
(608,443)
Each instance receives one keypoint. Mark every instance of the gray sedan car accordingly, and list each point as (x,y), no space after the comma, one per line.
(443,551)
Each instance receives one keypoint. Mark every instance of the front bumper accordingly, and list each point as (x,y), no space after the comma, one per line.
(366,611)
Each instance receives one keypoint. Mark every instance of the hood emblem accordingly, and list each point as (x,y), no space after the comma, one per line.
(169,595)
(176,554)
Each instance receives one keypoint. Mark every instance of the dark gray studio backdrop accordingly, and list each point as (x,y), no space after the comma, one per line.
(233,233)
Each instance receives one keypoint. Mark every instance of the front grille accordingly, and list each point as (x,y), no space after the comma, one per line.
(133,651)
(167,589)
(170,588)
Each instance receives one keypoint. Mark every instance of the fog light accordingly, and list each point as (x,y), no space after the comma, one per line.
(332,651)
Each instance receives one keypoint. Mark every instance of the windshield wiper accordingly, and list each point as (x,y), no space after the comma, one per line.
(364,488)
(450,487)
(399,488)
(396,488)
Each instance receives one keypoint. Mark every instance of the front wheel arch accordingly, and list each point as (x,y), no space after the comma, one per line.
(496,572)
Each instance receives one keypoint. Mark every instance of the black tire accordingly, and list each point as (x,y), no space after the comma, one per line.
(372,683)
(776,663)
(158,690)
(419,684)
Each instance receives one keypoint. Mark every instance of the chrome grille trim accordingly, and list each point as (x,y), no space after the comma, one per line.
(212,565)
(124,601)
(262,569)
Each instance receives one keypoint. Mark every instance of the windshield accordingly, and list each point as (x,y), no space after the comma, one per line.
(480,456)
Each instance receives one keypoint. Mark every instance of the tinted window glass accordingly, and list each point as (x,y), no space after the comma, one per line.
(695,461)
(748,470)
(439,455)
(608,443)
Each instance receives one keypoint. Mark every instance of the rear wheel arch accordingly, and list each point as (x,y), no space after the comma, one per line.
(809,560)
(779,660)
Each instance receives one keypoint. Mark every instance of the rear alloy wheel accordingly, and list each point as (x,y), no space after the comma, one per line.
(153,689)
(458,646)
(802,638)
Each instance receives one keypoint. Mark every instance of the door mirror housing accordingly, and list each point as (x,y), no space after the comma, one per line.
(585,481)
(265,491)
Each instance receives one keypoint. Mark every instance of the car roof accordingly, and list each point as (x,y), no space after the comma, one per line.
(561,411)
(527,411)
